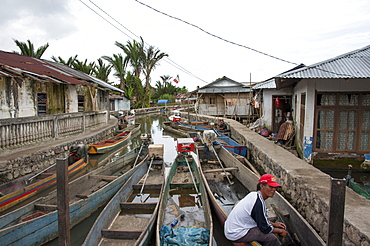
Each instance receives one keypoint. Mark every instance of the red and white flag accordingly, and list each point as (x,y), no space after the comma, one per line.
(177,79)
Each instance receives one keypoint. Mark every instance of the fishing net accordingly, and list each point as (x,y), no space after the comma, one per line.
(359,189)
(184,236)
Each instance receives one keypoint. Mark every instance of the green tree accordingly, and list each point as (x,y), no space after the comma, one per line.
(101,70)
(28,49)
(69,62)
(84,66)
(134,55)
(119,64)
(150,61)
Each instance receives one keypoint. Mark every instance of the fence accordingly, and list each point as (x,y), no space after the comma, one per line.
(20,132)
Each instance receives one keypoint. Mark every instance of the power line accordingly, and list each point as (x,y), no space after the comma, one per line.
(231,42)
(166,59)
(213,35)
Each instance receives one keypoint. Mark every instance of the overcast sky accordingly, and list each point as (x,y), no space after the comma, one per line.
(293,31)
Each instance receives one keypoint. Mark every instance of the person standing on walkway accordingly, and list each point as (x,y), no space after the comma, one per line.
(248,220)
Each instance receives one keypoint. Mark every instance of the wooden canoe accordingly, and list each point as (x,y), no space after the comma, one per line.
(27,226)
(129,217)
(23,190)
(223,195)
(186,196)
(109,144)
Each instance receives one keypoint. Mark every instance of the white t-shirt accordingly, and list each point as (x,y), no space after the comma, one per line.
(248,213)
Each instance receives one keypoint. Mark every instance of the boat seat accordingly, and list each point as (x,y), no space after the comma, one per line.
(104,177)
(147,186)
(138,208)
(115,234)
(221,170)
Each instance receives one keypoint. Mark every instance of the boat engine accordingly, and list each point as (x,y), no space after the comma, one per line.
(77,152)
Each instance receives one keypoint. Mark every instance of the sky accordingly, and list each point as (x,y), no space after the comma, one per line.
(246,41)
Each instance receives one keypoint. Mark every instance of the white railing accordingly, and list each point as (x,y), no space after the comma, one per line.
(20,132)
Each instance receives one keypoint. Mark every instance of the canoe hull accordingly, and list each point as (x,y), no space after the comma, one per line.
(172,185)
(36,188)
(113,208)
(109,144)
(249,180)
(42,229)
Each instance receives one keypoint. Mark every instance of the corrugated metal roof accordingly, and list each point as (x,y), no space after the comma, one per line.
(269,84)
(16,65)
(224,90)
(355,64)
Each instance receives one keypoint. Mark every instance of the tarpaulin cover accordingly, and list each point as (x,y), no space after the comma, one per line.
(162,101)
(184,236)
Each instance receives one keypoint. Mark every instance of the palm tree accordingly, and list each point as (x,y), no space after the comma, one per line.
(150,61)
(119,64)
(69,62)
(83,66)
(102,71)
(134,55)
(28,49)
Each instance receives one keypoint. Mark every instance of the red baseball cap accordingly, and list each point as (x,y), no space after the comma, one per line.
(269,179)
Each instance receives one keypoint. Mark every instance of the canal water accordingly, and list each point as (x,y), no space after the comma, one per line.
(150,124)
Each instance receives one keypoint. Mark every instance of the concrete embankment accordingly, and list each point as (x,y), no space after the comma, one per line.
(26,160)
(306,187)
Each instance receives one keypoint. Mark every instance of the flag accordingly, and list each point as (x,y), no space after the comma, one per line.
(177,79)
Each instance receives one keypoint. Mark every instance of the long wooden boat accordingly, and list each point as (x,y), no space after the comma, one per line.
(37,222)
(167,127)
(129,217)
(229,143)
(109,144)
(229,182)
(25,189)
(184,207)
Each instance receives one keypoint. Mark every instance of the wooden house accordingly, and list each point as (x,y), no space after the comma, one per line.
(331,106)
(225,98)
(33,87)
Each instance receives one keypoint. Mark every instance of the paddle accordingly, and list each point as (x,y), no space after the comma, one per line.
(146,176)
(37,174)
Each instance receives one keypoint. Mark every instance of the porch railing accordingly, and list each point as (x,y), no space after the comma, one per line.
(20,132)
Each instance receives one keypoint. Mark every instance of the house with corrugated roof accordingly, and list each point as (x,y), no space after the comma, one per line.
(331,107)
(225,98)
(32,87)
(274,105)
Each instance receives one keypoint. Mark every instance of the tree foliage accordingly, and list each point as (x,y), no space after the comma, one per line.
(28,49)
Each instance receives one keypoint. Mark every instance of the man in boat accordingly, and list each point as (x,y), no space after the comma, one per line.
(248,220)
(222,126)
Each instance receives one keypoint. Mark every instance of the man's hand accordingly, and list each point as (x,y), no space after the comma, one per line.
(279,225)
(279,228)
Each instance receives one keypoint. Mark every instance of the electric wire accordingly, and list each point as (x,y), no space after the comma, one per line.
(166,59)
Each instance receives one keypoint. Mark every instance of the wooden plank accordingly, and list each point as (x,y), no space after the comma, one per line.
(221,170)
(45,207)
(103,177)
(115,234)
(336,211)
(147,186)
(137,206)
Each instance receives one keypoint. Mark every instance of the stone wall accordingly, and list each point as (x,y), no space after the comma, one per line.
(39,158)
(304,186)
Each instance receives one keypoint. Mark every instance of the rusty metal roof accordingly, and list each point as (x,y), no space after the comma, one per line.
(16,65)
(354,64)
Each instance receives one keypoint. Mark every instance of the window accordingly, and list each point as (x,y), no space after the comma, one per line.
(41,103)
(212,100)
(81,103)
(342,122)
